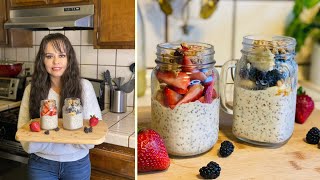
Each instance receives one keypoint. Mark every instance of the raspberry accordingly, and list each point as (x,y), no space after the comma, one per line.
(226,148)
(211,171)
(313,136)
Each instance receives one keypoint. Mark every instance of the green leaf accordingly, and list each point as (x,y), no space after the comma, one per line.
(298,6)
(165,6)
(300,91)
(208,8)
(310,3)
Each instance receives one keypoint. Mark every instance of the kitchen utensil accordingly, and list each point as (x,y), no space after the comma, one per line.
(118,101)
(129,86)
(107,78)
(118,81)
(10,68)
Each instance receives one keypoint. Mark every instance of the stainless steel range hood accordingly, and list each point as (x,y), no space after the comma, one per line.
(70,17)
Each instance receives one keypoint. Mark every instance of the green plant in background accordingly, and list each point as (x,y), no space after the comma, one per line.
(305,21)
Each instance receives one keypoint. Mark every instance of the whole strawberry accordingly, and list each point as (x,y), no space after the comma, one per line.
(304,106)
(93,120)
(152,153)
(35,126)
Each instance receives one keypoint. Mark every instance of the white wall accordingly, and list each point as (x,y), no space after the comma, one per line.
(224,29)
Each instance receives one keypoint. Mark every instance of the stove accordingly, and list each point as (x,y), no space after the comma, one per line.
(9,147)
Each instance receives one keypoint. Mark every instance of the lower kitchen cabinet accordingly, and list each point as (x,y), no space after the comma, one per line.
(110,161)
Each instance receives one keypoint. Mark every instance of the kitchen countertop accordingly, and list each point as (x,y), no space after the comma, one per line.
(121,125)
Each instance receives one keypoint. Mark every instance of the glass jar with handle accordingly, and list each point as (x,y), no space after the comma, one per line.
(265,87)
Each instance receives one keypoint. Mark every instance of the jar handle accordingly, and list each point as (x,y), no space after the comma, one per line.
(223,84)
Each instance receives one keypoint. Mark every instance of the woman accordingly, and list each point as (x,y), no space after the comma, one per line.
(56,76)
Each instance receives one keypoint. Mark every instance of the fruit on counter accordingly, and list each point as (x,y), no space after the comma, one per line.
(194,93)
(226,148)
(35,126)
(46,132)
(152,153)
(87,129)
(211,171)
(304,106)
(313,136)
(180,80)
(93,121)
(171,98)
(56,129)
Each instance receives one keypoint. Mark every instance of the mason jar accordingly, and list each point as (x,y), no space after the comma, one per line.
(72,114)
(185,97)
(48,114)
(265,87)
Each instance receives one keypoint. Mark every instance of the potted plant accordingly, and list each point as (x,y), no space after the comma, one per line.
(304,26)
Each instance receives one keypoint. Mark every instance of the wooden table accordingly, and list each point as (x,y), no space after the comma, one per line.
(294,160)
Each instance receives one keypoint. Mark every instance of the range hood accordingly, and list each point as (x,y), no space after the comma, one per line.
(69,17)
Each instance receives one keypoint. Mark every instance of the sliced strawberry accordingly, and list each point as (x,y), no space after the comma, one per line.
(187,65)
(198,75)
(160,97)
(171,97)
(201,99)
(208,94)
(45,109)
(179,90)
(194,93)
(181,80)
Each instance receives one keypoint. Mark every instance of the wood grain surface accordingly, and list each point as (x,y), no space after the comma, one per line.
(65,136)
(294,160)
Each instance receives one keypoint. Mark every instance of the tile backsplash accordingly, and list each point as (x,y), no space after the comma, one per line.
(93,62)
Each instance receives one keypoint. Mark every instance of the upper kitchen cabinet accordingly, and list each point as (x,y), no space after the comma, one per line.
(32,3)
(114,25)
(12,37)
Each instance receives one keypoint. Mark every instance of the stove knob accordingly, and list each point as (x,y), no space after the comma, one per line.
(11,92)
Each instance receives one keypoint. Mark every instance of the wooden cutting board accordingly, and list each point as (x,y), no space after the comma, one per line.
(294,160)
(65,136)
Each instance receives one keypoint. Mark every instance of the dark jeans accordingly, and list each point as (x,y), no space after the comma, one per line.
(44,169)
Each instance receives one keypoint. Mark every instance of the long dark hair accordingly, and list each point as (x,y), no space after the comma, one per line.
(41,83)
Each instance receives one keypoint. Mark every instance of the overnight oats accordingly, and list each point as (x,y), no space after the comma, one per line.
(72,114)
(265,91)
(185,101)
(48,114)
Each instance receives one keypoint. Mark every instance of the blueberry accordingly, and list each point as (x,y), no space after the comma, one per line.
(272,77)
(208,80)
(244,73)
(194,82)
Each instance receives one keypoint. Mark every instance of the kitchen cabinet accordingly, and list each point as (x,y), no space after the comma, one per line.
(110,161)
(114,24)
(32,3)
(12,37)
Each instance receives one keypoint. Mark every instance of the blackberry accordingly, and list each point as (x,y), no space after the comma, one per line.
(226,148)
(177,52)
(90,129)
(313,136)
(209,172)
(57,129)
(86,130)
(46,132)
